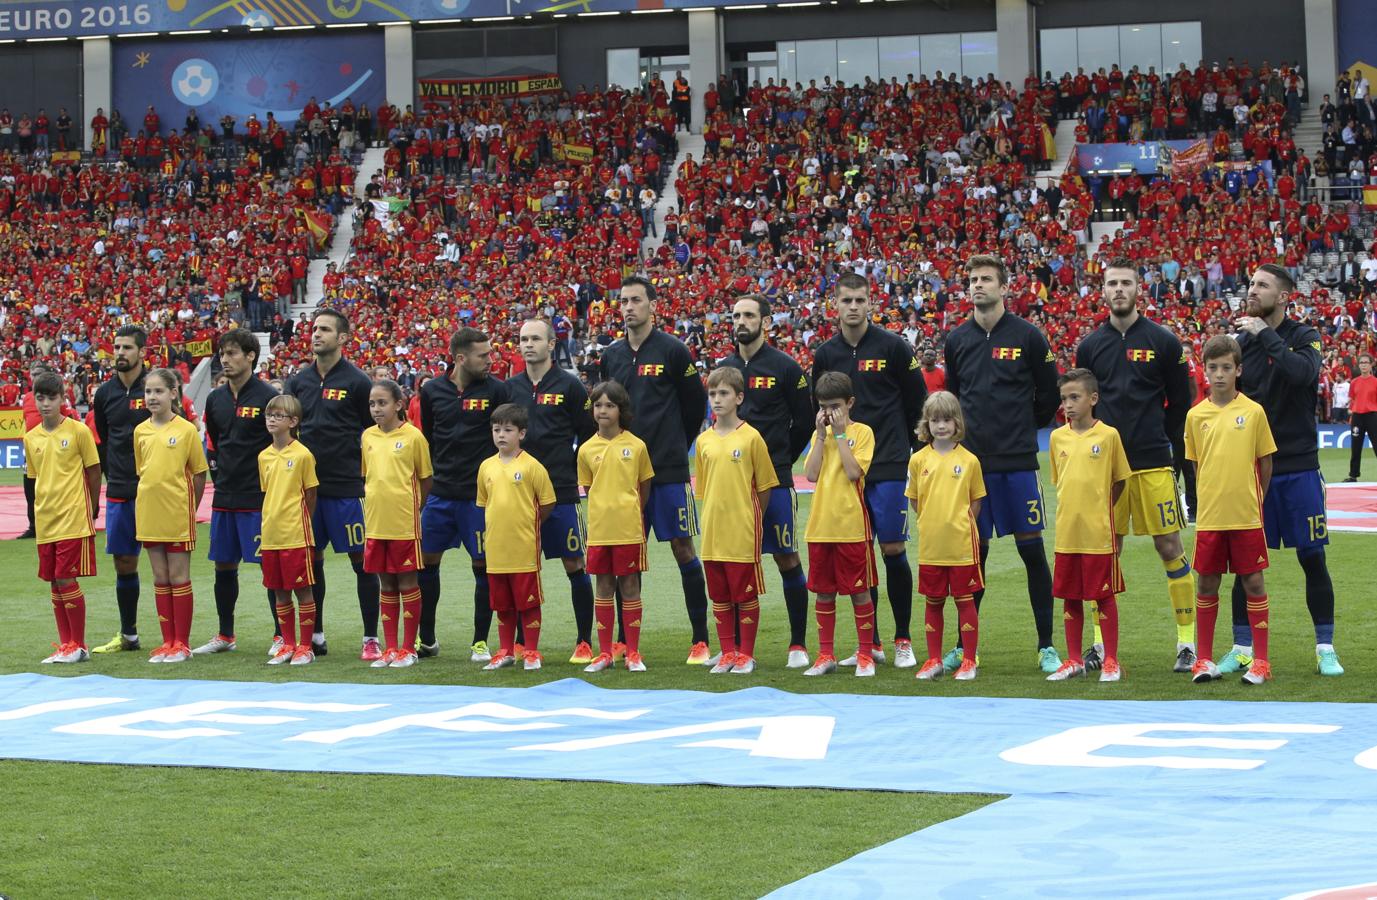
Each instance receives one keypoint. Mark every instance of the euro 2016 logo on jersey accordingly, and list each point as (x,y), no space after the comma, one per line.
(1138,354)
(549,399)
(1094,451)
(1006,352)
(650,370)
(172,441)
(1240,423)
(516,476)
(626,453)
(333,393)
(248,412)
(136,403)
(476,404)
(956,471)
(63,444)
(397,447)
(870,365)
(736,455)
(759,382)
(291,463)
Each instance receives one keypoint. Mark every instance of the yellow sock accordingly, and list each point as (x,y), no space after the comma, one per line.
(1181,591)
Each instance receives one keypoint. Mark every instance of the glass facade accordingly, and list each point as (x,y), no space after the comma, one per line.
(1163,46)
(969,54)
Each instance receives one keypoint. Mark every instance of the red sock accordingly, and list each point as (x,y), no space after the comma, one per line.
(631,622)
(825,611)
(506,631)
(1073,613)
(64,631)
(411,618)
(286,621)
(933,625)
(605,614)
(749,614)
(74,604)
(182,605)
(1257,621)
(1206,611)
(968,623)
(865,627)
(390,609)
(724,614)
(530,627)
(306,616)
(162,600)
(1109,626)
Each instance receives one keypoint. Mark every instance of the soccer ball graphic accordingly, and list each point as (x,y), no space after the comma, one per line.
(258,19)
(195,82)
(452,7)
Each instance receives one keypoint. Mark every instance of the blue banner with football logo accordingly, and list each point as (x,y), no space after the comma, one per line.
(239,76)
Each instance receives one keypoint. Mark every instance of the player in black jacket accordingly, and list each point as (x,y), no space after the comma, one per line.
(890,392)
(669,400)
(1145,392)
(1281,372)
(119,410)
(779,404)
(559,419)
(237,433)
(1005,376)
(334,400)
(456,412)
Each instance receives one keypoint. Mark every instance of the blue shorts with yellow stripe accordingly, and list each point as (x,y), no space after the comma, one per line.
(562,535)
(671,512)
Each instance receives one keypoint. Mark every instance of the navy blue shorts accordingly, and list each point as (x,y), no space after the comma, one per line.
(562,537)
(1293,513)
(888,511)
(778,522)
(119,528)
(448,524)
(670,510)
(339,522)
(1012,505)
(235,535)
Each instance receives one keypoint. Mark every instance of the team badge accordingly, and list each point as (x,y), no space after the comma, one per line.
(63,444)
(626,453)
(291,463)
(516,476)
(172,441)
(1240,423)
(398,446)
(736,455)
(1094,451)
(956,470)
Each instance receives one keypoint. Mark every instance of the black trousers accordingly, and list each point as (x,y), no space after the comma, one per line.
(1364,427)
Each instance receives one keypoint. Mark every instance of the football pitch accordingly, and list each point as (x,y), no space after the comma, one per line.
(109,831)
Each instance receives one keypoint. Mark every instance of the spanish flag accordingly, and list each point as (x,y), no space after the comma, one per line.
(1370,197)
(318,223)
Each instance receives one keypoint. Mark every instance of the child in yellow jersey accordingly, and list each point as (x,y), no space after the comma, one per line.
(397,475)
(735,477)
(516,495)
(841,559)
(60,455)
(614,469)
(287,474)
(171,465)
(1089,469)
(1230,442)
(945,487)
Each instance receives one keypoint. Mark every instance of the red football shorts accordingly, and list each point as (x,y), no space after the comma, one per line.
(1086,576)
(514,591)
(66,559)
(1239,552)
(170,546)
(841,568)
(384,557)
(733,582)
(287,570)
(617,559)
(949,581)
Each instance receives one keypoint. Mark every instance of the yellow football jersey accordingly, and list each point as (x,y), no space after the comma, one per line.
(838,514)
(285,476)
(394,462)
(1225,442)
(58,460)
(945,486)
(612,471)
(731,470)
(166,459)
(1085,467)
(511,493)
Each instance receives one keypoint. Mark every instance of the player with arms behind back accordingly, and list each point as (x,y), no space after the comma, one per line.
(1089,469)
(60,455)
(735,477)
(287,474)
(1228,439)
(945,486)
(614,468)
(841,555)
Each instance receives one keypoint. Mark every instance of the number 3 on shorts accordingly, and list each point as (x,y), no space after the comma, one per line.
(1034,512)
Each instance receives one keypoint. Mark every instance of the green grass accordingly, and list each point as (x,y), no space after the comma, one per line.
(448,836)
(427,837)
